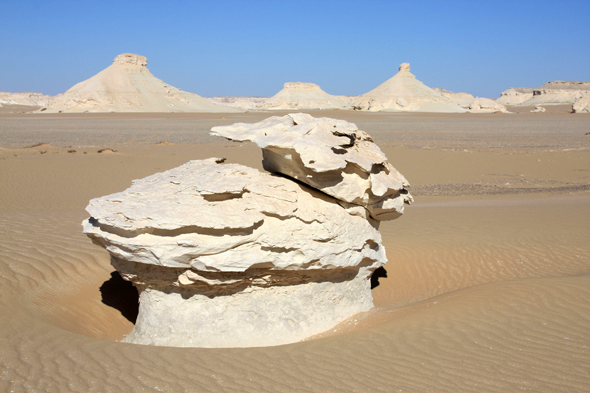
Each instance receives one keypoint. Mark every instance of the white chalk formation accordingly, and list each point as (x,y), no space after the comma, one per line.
(128,86)
(538,109)
(299,95)
(330,155)
(551,93)
(486,105)
(24,98)
(226,256)
(582,105)
(464,100)
(404,93)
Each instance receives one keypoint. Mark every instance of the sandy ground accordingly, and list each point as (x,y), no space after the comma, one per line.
(487,287)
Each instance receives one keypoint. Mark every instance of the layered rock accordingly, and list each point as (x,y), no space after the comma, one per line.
(464,100)
(299,95)
(515,96)
(404,93)
(551,93)
(330,155)
(226,256)
(128,86)
(486,105)
(25,98)
(582,105)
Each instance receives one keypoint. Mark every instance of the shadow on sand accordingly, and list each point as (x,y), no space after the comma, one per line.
(121,295)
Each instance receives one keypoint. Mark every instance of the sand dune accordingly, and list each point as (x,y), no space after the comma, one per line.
(485,291)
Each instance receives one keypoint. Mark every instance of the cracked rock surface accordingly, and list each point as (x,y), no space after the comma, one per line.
(330,155)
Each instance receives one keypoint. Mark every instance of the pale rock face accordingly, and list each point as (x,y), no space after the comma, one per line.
(582,105)
(404,93)
(515,96)
(226,256)
(486,105)
(299,95)
(464,100)
(25,98)
(551,93)
(128,86)
(330,155)
(242,102)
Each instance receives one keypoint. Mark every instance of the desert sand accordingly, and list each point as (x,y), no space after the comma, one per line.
(486,287)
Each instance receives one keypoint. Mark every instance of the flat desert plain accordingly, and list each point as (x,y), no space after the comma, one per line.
(487,287)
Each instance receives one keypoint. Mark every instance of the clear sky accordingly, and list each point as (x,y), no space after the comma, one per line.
(254,47)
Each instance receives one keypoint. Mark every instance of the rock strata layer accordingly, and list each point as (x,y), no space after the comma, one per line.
(330,155)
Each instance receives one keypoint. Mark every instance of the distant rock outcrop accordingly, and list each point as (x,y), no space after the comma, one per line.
(404,93)
(128,86)
(464,100)
(299,95)
(551,93)
(25,98)
(486,105)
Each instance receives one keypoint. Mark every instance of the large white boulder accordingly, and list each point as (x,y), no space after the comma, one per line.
(330,155)
(128,86)
(404,93)
(226,256)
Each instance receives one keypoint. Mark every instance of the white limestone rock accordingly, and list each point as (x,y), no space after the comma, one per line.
(486,105)
(404,93)
(515,96)
(24,98)
(226,256)
(299,95)
(128,86)
(330,155)
(464,100)
(551,93)
(582,105)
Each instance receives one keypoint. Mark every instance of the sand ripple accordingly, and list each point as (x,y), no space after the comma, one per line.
(486,298)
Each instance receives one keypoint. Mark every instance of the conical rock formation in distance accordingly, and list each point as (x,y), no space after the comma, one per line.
(299,95)
(128,86)
(404,93)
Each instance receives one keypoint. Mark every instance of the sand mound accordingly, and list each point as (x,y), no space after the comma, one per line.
(128,86)
(551,93)
(299,95)
(404,93)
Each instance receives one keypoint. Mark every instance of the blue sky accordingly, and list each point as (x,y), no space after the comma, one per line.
(253,47)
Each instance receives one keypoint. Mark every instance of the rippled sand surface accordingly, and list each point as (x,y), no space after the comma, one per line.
(487,287)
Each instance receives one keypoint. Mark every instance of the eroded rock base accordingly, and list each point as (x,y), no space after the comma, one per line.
(256,308)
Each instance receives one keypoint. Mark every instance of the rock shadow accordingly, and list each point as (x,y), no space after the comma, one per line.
(377,274)
(121,295)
